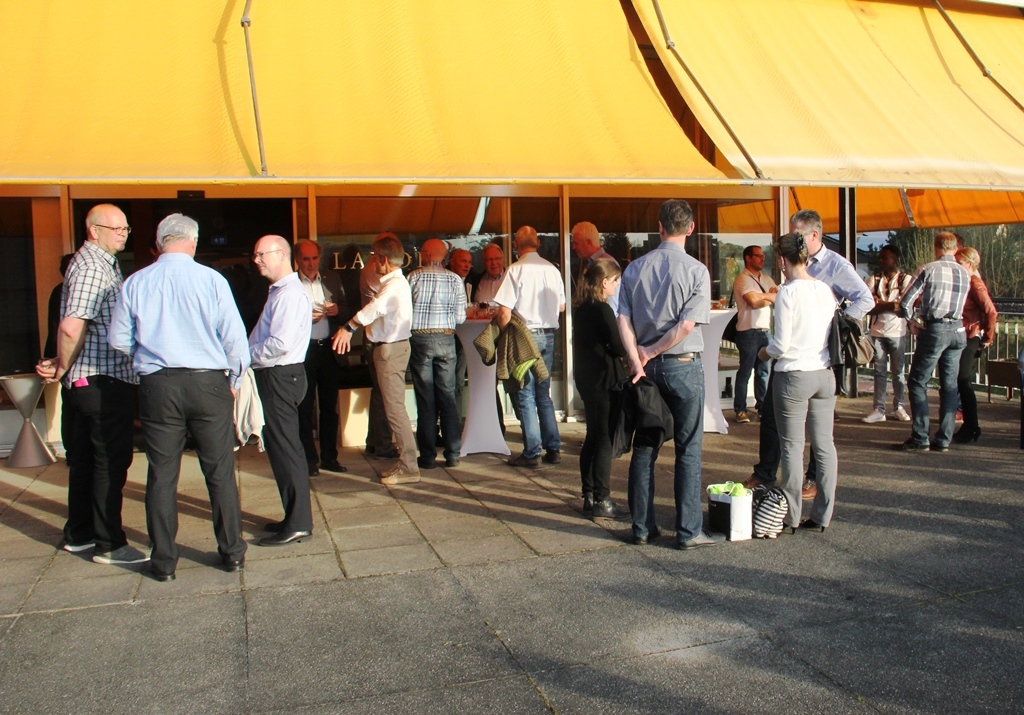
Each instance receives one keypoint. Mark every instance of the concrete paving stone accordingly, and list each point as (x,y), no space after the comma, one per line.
(52,662)
(319,543)
(370,516)
(569,540)
(577,608)
(945,657)
(805,577)
(26,570)
(446,509)
(190,582)
(521,520)
(727,678)
(117,587)
(389,560)
(958,557)
(1003,601)
(482,549)
(11,598)
(370,637)
(461,527)
(355,480)
(375,537)
(292,571)
(66,566)
(15,545)
(334,501)
(506,696)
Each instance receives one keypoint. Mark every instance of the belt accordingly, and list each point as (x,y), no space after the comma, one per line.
(543,331)
(681,357)
(934,321)
(434,331)
(185,370)
(393,342)
(321,342)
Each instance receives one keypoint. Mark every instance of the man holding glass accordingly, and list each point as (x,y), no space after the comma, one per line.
(323,375)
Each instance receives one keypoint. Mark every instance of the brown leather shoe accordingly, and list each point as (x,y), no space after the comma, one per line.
(809,491)
(752,482)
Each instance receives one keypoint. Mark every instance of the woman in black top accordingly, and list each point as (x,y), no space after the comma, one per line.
(597,350)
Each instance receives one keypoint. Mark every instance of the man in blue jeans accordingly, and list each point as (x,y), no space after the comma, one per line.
(754,294)
(942,286)
(533,288)
(665,294)
(438,305)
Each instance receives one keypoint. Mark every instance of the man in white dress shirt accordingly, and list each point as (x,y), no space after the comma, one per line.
(388,322)
(533,288)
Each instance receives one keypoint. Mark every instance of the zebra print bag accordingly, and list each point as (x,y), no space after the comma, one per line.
(770,507)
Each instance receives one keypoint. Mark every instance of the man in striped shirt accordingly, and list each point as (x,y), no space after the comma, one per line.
(438,305)
(942,286)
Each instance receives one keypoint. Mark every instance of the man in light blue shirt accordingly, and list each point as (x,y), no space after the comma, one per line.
(278,347)
(177,320)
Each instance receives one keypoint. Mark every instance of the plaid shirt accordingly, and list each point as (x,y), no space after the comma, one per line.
(91,289)
(942,286)
(438,298)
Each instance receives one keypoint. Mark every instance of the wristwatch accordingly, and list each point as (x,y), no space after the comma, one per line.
(349,328)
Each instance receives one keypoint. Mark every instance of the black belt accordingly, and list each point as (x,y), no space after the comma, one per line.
(186,370)
(543,331)
(393,342)
(321,342)
(934,321)
(681,357)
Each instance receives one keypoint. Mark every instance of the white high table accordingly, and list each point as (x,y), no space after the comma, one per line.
(482,432)
(714,420)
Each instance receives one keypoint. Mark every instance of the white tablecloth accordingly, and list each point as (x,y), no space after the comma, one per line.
(714,420)
(482,432)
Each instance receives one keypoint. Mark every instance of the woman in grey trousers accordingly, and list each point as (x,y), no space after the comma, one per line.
(804,387)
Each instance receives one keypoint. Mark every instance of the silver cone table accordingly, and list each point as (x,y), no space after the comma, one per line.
(29,450)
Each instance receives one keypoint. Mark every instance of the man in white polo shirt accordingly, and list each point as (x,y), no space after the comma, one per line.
(533,289)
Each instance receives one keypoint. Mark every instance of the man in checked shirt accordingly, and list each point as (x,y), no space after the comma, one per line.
(942,286)
(438,305)
(100,398)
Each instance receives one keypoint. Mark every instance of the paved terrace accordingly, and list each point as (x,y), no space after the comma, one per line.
(483,590)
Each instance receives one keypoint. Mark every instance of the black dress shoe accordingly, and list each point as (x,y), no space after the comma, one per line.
(333,466)
(911,446)
(314,471)
(273,527)
(284,537)
(936,447)
(812,525)
(588,504)
(967,434)
(641,540)
(451,462)
(232,565)
(162,576)
(553,456)
(605,509)
(426,463)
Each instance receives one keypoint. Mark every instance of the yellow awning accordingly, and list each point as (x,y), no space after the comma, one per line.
(385,91)
(848,92)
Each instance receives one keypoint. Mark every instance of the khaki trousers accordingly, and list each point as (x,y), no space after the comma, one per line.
(390,360)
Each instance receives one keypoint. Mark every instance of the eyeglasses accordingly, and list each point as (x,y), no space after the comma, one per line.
(120,230)
(260,254)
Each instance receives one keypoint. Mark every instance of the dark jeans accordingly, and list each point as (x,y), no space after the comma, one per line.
(322,381)
(173,402)
(768,450)
(964,386)
(682,386)
(749,342)
(432,362)
(596,455)
(102,414)
(535,409)
(939,345)
(281,390)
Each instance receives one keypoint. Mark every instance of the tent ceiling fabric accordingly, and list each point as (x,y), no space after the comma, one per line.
(388,91)
(529,91)
(850,92)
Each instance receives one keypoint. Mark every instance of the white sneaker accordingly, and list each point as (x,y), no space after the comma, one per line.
(874,416)
(902,414)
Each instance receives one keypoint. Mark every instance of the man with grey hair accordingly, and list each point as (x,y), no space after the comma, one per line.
(942,286)
(178,322)
(586,241)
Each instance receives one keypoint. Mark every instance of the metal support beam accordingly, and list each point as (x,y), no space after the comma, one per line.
(848,248)
(564,249)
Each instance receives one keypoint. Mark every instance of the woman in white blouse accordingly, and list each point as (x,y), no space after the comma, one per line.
(804,386)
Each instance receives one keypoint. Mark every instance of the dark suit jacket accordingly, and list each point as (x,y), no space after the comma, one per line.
(597,347)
